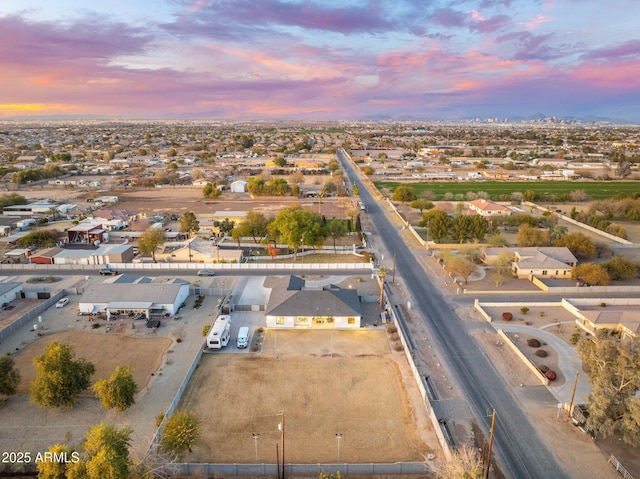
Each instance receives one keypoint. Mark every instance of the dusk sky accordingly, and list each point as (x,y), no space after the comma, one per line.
(331,59)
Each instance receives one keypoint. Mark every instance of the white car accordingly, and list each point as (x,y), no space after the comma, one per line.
(62,303)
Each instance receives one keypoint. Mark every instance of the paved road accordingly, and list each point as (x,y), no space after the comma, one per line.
(520,451)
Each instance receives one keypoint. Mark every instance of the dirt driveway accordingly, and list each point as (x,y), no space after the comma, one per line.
(327,383)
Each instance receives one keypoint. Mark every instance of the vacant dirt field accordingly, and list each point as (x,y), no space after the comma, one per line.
(25,427)
(363,394)
(104,351)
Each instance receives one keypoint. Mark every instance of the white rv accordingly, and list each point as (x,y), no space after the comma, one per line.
(220,332)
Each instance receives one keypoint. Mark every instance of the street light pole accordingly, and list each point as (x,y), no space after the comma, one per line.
(331,344)
(255,437)
(338,437)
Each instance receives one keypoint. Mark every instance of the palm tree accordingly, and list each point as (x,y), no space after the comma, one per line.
(382,273)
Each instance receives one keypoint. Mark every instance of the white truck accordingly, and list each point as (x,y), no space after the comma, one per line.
(220,332)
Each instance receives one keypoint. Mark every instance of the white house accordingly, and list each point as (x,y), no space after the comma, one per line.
(544,262)
(292,306)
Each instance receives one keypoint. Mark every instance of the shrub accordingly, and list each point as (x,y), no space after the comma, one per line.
(544,369)
(603,305)
(533,342)
(575,337)
(391,328)
(95,325)
(550,375)
(397,346)
(205,329)
(159,418)
(507,316)
(541,353)
(254,348)
(260,329)
(524,310)
(394,336)
(178,340)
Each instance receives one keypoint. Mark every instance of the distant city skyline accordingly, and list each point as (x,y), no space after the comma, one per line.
(323,60)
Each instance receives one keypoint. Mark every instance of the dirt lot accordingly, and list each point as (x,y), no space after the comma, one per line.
(362,392)
(26,427)
(143,355)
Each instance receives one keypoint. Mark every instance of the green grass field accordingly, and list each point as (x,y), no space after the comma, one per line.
(501,190)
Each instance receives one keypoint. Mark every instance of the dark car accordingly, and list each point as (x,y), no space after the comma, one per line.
(108,271)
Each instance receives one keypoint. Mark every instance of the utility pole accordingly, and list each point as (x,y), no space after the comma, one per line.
(393,274)
(493,423)
(281,426)
(573,393)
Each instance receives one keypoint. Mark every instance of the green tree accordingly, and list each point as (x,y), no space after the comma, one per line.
(57,469)
(579,244)
(189,223)
(280,162)
(368,170)
(532,236)
(41,239)
(496,240)
(60,378)
(336,229)
(501,267)
(181,431)
(479,227)
(422,204)
(461,266)
(614,372)
(11,199)
(118,392)
(591,273)
(105,454)
(620,268)
(150,241)
(403,194)
(461,228)
(295,226)
(9,376)
(438,224)
(254,225)
(355,190)
(210,191)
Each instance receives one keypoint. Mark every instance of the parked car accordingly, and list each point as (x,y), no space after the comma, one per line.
(108,271)
(206,272)
(62,303)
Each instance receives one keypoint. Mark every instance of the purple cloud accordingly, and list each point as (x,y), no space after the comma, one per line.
(45,43)
(448,17)
(347,20)
(630,49)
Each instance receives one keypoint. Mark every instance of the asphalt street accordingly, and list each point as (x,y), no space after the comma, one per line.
(520,451)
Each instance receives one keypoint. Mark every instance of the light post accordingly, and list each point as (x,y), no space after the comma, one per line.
(331,344)
(255,437)
(338,437)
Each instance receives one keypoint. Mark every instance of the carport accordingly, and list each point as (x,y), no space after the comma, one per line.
(137,309)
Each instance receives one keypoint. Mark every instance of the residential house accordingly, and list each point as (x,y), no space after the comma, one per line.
(626,322)
(292,305)
(198,250)
(488,208)
(544,262)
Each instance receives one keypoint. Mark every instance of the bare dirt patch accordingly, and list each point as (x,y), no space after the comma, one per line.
(105,351)
(359,393)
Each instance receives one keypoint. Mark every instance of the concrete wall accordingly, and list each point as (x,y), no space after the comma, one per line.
(534,369)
